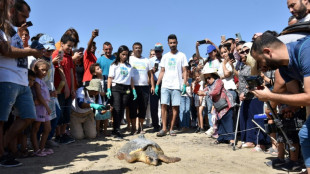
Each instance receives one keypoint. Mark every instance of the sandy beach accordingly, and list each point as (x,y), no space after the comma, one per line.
(198,154)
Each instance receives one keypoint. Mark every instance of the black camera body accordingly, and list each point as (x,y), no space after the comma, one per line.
(254,81)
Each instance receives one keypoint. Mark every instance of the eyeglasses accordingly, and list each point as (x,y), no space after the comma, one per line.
(245,51)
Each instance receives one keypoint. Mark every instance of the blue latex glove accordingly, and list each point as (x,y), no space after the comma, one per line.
(184,89)
(96,106)
(134,94)
(109,93)
(156,89)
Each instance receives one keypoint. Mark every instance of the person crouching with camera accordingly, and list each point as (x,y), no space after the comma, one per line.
(82,121)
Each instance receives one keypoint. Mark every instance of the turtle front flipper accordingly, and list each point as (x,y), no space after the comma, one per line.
(166,159)
(129,158)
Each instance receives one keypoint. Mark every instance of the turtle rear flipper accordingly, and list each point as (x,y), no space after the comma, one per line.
(166,159)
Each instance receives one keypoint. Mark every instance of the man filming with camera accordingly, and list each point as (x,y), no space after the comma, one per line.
(294,67)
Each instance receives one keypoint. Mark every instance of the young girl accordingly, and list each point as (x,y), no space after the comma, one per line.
(120,79)
(199,101)
(96,71)
(42,110)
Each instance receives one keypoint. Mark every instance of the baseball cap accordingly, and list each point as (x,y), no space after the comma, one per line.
(36,45)
(48,42)
(158,47)
(210,48)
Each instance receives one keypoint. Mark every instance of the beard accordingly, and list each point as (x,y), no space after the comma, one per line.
(302,12)
(272,64)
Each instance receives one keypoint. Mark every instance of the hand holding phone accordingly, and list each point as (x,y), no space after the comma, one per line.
(29,24)
(231,56)
(202,42)
(97,32)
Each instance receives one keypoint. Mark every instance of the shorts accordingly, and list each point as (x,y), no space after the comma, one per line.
(19,96)
(172,95)
(200,101)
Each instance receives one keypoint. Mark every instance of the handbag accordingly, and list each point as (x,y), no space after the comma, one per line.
(220,104)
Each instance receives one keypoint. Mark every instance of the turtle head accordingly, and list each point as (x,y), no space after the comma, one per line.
(152,160)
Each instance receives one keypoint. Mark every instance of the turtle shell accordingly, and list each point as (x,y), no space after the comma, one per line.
(138,144)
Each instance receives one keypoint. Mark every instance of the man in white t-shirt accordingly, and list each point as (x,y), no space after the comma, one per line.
(14,85)
(173,76)
(142,74)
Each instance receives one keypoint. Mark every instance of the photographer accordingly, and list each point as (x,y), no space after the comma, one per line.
(293,63)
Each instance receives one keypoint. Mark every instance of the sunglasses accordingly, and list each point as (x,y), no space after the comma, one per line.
(207,78)
(245,51)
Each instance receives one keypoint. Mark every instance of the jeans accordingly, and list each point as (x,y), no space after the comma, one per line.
(185,111)
(19,96)
(305,142)
(208,110)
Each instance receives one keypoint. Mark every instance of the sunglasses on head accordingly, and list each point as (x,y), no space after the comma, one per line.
(245,51)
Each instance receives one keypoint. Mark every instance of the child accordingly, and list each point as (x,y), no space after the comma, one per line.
(68,93)
(42,109)
(199,101)
(96,71)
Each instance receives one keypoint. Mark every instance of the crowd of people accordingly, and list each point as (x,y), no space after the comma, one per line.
(54,93)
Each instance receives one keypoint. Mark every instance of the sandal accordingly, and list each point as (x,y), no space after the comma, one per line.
(216,142)
(39,153)
(161,133)
(272,151)
(172,133)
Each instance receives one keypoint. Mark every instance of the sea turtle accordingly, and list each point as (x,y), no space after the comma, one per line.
(144,150)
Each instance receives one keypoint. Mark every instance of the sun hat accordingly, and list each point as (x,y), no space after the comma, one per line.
(48,42)
(210,48)
(94,85)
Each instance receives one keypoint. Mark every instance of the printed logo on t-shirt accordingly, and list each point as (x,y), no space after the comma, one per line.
(140,66)
(124,72)
(172,63)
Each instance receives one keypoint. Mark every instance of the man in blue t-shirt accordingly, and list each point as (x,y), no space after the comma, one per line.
(293,63)
(105,61)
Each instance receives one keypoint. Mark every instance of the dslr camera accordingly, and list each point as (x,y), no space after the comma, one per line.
(254,82)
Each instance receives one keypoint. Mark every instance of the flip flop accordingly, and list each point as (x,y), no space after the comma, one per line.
(161,133)
(172,133)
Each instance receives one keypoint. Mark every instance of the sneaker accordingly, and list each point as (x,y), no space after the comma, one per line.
(209,132)
(118,135)
(57,139)
(51,143)
(291,166)
(66,139)
(9,161)
(277,163)
(197,130)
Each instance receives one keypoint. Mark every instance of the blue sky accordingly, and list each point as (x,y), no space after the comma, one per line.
(123,22)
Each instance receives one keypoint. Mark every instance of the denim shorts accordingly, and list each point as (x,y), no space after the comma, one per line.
(12,94)
(170,94)
(304,140)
